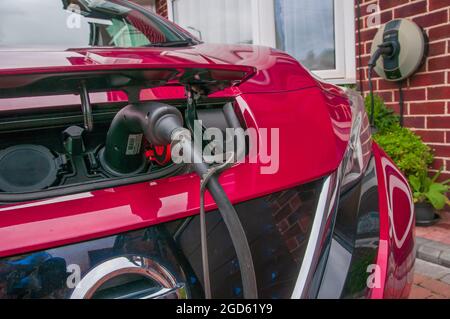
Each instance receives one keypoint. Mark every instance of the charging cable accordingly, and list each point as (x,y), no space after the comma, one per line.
(384,49)
(212,172)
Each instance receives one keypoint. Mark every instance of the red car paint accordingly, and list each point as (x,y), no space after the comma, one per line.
(396,253)
(276,71)
(314,121)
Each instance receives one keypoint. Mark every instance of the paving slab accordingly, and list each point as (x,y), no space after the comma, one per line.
(444,259)
(433,251)
(431,281)
(428,253)
(446,279)
(431,270)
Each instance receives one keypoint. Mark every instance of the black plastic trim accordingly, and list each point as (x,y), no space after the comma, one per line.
(88,186)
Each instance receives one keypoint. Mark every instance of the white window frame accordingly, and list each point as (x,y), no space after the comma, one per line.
(153,5)
(148,4)
(264,33)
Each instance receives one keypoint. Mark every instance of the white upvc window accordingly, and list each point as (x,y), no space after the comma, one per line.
(148,4)
(318,33)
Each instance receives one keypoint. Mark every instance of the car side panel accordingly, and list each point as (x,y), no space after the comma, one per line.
(396,252)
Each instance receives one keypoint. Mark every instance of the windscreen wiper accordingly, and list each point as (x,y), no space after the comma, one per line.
(181,43)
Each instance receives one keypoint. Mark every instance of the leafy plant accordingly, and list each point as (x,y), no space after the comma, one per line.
(427,189)
(384,118)
(403,146)
(412,156)
(406,149)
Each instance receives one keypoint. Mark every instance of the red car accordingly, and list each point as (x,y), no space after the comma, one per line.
(96,96)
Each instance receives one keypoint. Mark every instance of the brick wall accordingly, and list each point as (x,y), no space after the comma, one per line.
(427,93)
(161,7)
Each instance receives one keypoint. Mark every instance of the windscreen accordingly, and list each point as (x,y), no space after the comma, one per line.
(80,23)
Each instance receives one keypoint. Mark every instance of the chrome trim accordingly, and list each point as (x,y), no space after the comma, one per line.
(334,276)
(323,223)
(358,154)
(94,279)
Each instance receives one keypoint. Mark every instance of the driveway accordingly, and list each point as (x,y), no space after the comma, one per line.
(432,272)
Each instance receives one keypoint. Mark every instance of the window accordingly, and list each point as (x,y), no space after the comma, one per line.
(303,29)
(216,20)
(318,33)
(147,4)
(79,23)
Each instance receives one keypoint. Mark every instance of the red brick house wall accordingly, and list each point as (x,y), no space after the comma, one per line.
(161,7)
(427,93)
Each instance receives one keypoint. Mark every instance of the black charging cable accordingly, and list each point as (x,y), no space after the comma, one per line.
(162,124)
(212,172)
(180,137)
(384,49)
(372,99)
(401,101)
(372,63)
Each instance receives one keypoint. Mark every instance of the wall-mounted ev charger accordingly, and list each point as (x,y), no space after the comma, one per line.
(406,47)
(398,50)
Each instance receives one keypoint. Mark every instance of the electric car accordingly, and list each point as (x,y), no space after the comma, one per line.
(95,98)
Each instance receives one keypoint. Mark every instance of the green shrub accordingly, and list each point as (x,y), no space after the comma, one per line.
(411,155)
(384,117)
(403,146)
(406,149)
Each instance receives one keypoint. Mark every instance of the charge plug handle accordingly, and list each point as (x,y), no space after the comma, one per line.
(386,49)
(123,153)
